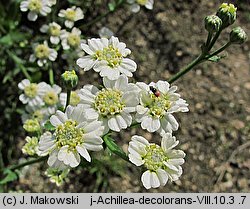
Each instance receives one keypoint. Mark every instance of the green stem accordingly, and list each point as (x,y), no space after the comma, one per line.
(214,40)
(29,162)
(51,76)
(186,69)
(24,71)
(218,50)
(209,37)
(68,99)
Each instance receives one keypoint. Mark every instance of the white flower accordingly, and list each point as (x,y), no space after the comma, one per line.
(71,15)
(162,162)
(105,32)
(71,39)
(43,53)
(41,114)
(54,30)
(31,93)
(74,136)
(50,96)
(52,2)
(158,101)
(107,57)
(35,8)
(135,4)
(113,104)
(74,98)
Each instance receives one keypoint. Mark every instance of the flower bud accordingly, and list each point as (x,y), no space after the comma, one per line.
(212,23)
(238,36)
(31,125)
(227,13)
(70,79)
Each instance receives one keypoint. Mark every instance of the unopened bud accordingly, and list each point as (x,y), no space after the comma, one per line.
(238,36)
(212,23)
(31,125)
(70,79)
(227,13)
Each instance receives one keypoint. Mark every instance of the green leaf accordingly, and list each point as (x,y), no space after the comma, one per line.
(111,7)
(10,176)
(48,126)
(216,58)
(113,147)
(6,40)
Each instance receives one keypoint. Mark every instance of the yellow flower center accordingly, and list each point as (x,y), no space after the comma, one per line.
(109,102)
(31,90)
(155,157)
(74,98)
(35,5)
(54,30)
(38,115)
(74,40)
(110,54)
(42,51)
(158,106)
(69,134)
(50,98)
(141,2)
(70,14)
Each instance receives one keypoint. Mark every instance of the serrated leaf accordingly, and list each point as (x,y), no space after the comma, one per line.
(10,176)
(48,126)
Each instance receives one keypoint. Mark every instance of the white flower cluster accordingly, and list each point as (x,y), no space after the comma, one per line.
(65,134)
(69,39)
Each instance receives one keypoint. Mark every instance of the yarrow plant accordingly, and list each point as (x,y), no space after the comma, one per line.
(66,125)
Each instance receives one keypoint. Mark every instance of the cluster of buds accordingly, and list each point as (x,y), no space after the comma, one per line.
(225,16)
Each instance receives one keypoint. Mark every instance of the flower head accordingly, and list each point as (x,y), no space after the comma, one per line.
(238,36)
(161,162)
(41,114)
(74,135)
(31,92)
(113,104)
(43,53)
(31,125)
(157,103)
(74,98)
(54,30)
(31,146)
(227,13)
(70,79)
(107,57)
(71,40)
(71,15)
(35,8)
(136,4)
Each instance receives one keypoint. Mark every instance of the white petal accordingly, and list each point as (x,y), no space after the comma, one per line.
(162,176)
(86,63)
(113,124)
(163,86)
(171,119)
(83,152)
(32,16)
(85,47)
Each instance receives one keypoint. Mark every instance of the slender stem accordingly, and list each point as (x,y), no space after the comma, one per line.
(24,71)
(218,50)
(51,76)
(29,162)
(214,40)
(186,69)
(209,37)
(68,99)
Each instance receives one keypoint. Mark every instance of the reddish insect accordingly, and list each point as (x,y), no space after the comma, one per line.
(155,91)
